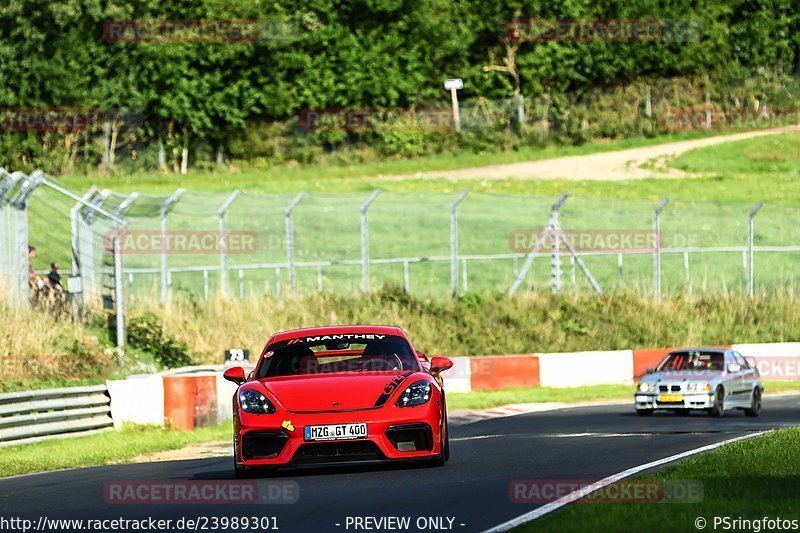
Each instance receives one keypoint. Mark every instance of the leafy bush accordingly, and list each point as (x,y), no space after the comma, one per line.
(146,333)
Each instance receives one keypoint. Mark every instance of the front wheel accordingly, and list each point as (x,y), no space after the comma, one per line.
(444,455)
(718,409)
(755,403)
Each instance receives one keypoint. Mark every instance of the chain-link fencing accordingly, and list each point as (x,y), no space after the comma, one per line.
(236,245)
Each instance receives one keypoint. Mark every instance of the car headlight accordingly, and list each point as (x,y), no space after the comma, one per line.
(646,387)
(256,403)
(415,394)
(698,387)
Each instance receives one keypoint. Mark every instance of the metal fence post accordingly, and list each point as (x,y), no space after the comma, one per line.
(290,238)
(750,238)
(365,240)
(224,282)
(657,247)
(20,205)
(526,265)
(77,263)
(118,293)
(454,242)
(165,281)
(119,282)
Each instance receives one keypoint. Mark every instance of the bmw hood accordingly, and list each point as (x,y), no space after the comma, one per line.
(335,392)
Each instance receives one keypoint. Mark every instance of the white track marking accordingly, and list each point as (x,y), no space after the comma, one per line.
(585,491)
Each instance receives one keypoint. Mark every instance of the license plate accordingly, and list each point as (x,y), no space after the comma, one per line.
(336,432)
(670,398)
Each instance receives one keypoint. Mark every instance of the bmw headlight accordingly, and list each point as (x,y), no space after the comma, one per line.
(415,394)
(256,403)
(698,387)
(646,387)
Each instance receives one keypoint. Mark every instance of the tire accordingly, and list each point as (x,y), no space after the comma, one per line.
(444,455)
(719,403)
(755,403)
(644,412)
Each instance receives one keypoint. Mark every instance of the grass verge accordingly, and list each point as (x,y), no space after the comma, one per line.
(484,324)
(352,177)
(748,479)
(487,399)
(102,448)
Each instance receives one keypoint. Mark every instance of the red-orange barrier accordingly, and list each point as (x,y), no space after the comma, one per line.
(190,401)
(644,359)
(179,393)
(501,371)
(205,405)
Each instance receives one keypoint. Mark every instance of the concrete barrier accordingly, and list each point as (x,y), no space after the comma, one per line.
(775,361)
(137,400)
(198,396)
(190,401)
(459,377)
(500,371)
(585,368)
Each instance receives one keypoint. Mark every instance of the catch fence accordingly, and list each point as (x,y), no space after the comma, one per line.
(125,247)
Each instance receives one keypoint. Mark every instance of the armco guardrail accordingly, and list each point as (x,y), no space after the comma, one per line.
(32,416)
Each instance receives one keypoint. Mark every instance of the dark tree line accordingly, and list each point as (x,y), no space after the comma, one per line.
(189,100)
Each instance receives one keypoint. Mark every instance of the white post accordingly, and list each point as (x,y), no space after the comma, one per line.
(165,281)
(526,265)
(365,240)
(750,238)
(657,247)
(224,282)
(290,238)
(454,242)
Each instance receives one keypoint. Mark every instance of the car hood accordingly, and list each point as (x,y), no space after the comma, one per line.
(345,391)
(685,375)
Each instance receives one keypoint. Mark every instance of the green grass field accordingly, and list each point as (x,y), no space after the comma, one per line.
(102,448)
(748,479)
(355,177)
(488,399)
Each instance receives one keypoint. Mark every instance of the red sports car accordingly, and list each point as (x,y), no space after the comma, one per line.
(341,394)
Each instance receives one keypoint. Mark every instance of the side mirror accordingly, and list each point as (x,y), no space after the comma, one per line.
(734,367)
(440,364)
(235,374)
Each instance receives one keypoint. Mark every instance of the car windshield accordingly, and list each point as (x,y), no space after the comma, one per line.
(692,360)
(338,353)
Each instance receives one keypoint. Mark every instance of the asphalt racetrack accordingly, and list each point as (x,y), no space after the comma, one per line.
(471,493)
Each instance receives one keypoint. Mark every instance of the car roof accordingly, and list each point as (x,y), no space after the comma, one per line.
(710,350)
(337,330)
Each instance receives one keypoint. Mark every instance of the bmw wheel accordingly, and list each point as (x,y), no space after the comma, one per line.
(719,403)
(755,403)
